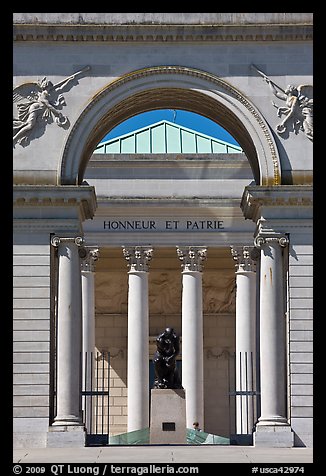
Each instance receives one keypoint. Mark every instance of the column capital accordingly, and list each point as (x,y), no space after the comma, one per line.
(278,238)
(88,255)
(137,257)
(244,257)
(192,257)
(57,240)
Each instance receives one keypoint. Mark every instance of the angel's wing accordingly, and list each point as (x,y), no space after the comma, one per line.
(26,91)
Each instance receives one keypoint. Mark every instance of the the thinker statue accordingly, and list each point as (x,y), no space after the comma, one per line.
(166,372)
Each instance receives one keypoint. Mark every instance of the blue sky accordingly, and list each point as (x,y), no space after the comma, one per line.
(183,118)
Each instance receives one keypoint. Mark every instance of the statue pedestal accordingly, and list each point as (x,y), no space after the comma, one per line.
(168,417)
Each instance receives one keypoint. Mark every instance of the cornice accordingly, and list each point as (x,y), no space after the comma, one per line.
(82,197)
(165,204)
(231,160)
(161,33)
(36,225)
(256,197)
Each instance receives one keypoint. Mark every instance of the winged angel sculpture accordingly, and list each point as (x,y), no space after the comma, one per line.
(298,109)
(39,102)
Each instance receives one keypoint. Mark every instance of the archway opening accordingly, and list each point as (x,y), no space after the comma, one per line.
(180,118)
(163,199)
(168,131)
(172,87)
(174,99)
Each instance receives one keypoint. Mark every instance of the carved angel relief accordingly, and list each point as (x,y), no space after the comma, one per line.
(219,294)
(298,109)
(37,104)
(164,296)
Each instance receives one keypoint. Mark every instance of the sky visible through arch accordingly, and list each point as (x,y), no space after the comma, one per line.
(188,119)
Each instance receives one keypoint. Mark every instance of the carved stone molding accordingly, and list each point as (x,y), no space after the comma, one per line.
(57,240)
(192,257)
(256,197)
(89,255)
(138,257)
(212,353)
(77,240)
(261,240)
(243,258)
(82,197)
(161,32)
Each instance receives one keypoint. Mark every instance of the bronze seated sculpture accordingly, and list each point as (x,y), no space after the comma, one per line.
(166,372)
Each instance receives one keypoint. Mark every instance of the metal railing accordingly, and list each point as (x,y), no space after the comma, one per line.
(95,396)
(244,396)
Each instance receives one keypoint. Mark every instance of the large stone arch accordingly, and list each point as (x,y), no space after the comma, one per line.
(172,87)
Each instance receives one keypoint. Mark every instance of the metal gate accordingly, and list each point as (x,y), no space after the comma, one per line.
(95,396)
(244,397)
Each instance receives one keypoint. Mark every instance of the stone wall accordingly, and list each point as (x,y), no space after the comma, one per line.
(31,340)
(301,341)
(113,55)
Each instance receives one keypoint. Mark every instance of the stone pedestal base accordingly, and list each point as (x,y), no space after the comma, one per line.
(168,417)
(66,436)
(273,436)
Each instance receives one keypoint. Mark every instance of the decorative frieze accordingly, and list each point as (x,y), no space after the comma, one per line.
(161,33)
(192,257)
(137,257)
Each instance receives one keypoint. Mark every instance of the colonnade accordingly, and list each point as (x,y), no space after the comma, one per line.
(76,333)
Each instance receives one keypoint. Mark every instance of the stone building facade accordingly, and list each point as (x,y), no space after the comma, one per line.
(109,249)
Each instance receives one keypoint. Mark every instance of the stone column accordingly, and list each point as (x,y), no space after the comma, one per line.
(245,338)
(138,348)
(192,332)
(69,332)
(89,255)
(272,427)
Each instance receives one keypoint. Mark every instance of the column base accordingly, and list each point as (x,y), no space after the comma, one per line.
(67,421)
(60,436)
(277,435)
